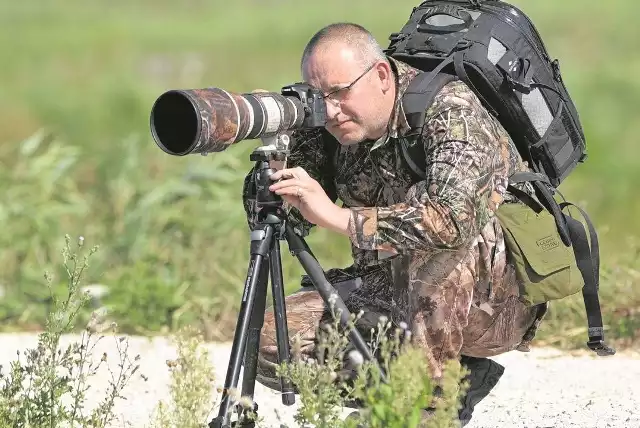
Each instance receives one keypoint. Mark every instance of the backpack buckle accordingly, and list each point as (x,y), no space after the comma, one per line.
(600,348)
(516,71)
(517,85)
(462,44)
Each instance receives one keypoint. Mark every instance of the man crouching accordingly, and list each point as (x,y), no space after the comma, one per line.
(426,252)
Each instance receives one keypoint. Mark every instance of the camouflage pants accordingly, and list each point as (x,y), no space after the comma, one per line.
(462,302)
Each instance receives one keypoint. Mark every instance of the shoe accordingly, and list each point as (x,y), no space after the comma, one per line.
(483,376)
(354,416)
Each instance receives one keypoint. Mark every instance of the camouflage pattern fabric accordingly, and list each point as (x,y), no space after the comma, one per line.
(430,253)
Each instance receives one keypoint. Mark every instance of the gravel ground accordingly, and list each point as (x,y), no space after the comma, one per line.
(544,388)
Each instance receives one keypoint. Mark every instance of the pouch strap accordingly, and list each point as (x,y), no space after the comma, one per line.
(588,261)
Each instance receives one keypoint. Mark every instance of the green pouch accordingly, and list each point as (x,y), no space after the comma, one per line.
(546,268)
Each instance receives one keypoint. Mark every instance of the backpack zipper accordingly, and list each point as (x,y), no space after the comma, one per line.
(539,46)
(499,10)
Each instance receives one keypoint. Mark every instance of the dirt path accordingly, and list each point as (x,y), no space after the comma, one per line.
(544,388)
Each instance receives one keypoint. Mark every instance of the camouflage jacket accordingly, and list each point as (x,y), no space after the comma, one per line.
(468,159)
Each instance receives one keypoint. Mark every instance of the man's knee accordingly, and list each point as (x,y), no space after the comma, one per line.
(303,312)
(300,332)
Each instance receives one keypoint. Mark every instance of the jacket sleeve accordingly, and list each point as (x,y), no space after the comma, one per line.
(467,164)
(312,151)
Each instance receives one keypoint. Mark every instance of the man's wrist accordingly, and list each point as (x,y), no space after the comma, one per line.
(339,220)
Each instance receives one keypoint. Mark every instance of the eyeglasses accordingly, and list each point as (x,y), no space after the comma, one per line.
(337,96)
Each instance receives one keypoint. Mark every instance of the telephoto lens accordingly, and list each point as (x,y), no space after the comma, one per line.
(185,121)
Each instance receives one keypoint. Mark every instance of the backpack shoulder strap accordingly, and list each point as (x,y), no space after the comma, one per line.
(417,98)
(420,94)
(414,157)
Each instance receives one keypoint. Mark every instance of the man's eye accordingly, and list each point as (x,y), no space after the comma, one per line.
(339,94)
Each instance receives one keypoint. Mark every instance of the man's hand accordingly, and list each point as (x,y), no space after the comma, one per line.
(301,191)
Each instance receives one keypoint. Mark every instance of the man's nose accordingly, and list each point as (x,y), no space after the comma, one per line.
(333,109)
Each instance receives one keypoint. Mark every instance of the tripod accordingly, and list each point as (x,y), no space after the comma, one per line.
(271,227)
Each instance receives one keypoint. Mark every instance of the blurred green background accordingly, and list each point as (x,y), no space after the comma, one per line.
(78,81)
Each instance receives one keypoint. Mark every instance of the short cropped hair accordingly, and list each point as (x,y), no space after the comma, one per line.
(353,35)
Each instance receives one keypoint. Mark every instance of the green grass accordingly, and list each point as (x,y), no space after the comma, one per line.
(77,157)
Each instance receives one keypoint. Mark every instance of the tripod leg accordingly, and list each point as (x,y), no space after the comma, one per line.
(253,342)
(280,314)
(299,248)
(260,244)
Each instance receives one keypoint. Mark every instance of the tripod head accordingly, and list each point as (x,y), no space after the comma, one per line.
(275,149)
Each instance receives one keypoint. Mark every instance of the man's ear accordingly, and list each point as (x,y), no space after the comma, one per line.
(385,74)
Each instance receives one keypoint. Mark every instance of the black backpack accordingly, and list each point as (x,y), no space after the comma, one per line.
(495,49)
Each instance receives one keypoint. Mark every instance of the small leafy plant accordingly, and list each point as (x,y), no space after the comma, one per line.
(46,386)
(191,388)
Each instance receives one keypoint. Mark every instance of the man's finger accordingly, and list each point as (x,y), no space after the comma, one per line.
(292,182)
(283,173)
(296,191)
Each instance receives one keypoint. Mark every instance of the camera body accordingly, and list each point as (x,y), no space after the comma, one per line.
(313,103)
